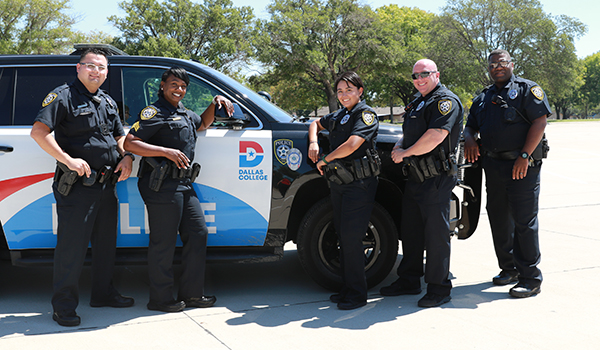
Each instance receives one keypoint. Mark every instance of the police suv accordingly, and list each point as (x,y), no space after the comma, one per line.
(257,187)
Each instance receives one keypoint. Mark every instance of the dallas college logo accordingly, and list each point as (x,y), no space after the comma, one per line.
(251,155)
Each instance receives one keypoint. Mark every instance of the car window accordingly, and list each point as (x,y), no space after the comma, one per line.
(140,89)
(33,84)
(6,83)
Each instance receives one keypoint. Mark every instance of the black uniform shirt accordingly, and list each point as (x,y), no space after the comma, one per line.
(85,125)
(440,109)
(361,121)
(503,127)
(162,124)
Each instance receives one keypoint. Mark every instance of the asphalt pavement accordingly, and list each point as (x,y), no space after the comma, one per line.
(277,306)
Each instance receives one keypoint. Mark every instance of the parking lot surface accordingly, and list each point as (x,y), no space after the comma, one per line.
(277,306)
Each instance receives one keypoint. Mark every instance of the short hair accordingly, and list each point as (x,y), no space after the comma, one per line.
(177,72)
(498,52)
(95,51)
(350,77)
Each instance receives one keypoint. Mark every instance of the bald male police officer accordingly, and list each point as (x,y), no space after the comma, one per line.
(88,146)
(432,126)
(510,118)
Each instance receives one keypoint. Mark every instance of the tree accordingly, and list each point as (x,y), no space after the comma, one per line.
(215,33)
(311,42)
(401,31)
(590,90)
(540,45)
(35,27)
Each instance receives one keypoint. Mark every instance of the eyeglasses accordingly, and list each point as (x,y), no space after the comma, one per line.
(92,66)
(416,76)
(502,64)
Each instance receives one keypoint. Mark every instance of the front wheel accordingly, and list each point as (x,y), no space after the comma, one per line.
(318,246)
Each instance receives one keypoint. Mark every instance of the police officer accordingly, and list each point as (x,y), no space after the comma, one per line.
(165,135)
(352,135)
(88,144)
(432,126)
(510,118)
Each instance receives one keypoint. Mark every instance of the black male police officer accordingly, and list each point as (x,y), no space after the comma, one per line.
(510,118)
(351,169)
(165,135)
(87,143)
(432,126)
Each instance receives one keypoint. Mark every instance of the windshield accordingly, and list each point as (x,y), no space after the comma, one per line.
(275,112)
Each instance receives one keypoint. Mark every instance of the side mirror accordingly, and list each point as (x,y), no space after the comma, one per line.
(236,121)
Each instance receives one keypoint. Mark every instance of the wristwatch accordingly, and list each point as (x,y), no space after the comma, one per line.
(129,154)
(524,155)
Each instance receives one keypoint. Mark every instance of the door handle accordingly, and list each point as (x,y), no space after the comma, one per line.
(6,149)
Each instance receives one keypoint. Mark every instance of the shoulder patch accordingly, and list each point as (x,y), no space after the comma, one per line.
(49,98)
(537,92)
(368,118)
(148,112)
(444,106)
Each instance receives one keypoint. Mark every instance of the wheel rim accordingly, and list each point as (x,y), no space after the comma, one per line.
(328,246)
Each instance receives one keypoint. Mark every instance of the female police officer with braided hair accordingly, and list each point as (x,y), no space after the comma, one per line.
(165,135)
(352,134)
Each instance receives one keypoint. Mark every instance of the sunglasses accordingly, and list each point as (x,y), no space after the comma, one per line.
(416,76)
(502,64)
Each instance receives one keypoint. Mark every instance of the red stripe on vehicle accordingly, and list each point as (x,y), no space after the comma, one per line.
(10,186)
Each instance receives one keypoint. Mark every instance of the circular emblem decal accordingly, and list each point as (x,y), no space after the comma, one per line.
(148,113)
(368,117)
(48,100)
(345,119)
(420,105)
(512,94)
(294,159)
(537,92)
(444,106)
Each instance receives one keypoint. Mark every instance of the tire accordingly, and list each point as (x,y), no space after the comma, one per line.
(318,246)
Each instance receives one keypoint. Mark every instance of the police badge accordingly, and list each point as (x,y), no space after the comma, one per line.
(444,106)
(282,147)
(345,119)
(537,92)
(48,100)
(420,105)
(512,94)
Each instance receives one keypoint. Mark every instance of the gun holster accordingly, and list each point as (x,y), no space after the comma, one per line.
(65,178)
(159,173)
(336,172)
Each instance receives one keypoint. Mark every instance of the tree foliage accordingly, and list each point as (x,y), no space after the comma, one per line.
(540,45)
(35,27)
(215,32)
(310,42)
(589,92)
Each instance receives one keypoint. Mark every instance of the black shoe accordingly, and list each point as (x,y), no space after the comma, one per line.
(524,291)
(171,306)
(116,301)
(505,277)
(431,300)
(67,319)
(350,305)
(336,298)
(203,301)
(397,288)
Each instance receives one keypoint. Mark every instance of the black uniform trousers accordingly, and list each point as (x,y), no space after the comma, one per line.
(352,206)
(426,225)
(170,210)
(512,207)
(87,213)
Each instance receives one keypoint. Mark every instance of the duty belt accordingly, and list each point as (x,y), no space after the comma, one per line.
(506,155)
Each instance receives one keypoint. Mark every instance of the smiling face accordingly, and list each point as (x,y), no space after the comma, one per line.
(348,94)
(173,90)
(92,71)
(425,84)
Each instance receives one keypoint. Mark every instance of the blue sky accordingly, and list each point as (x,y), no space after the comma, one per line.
(93,15)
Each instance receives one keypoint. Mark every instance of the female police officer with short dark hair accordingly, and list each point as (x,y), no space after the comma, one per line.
(352,179)
(165,135)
